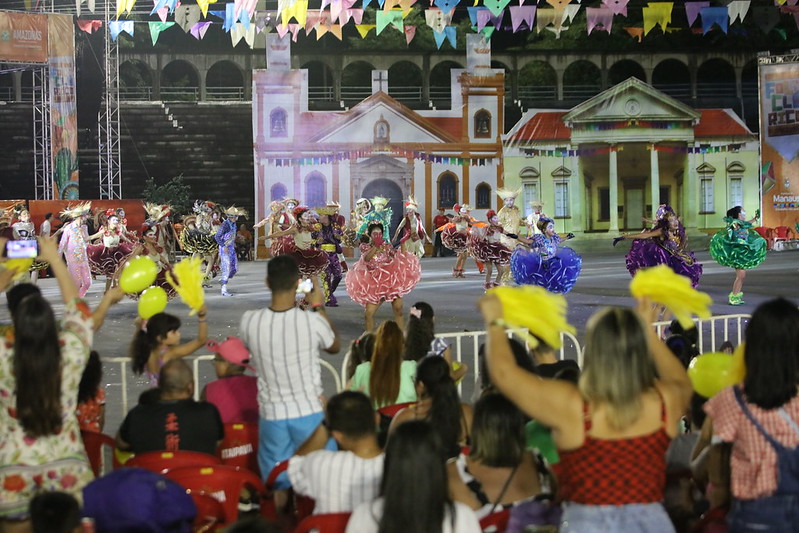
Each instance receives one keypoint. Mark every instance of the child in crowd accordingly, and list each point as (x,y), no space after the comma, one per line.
(91,396)
(157,340)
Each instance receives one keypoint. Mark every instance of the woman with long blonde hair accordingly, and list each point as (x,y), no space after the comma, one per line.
(613,428)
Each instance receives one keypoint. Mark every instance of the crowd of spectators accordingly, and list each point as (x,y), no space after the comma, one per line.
(548,443)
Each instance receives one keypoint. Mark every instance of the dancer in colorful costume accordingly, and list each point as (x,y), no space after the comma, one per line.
(148,246)
(23,230)
(534,217)
(272,223)
(547,264)
(455,235)
(73,245)
(362,206)
(412,228)
(301,243)
(740,247)
(106,256)
(508,216)
(329,239)
(492,246)
(664,244)
(197,238)
(382,274)
(226,239)
(380,214)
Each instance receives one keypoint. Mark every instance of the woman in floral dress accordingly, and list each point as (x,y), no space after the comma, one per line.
(41,448)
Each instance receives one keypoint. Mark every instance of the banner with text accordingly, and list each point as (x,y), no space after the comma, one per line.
(779,140)
(23,37)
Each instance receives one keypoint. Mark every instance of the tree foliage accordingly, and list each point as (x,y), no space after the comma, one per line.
(174,192)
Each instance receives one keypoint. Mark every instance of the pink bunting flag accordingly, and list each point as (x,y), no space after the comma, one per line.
(282,29)
(410,33)
(355,15)
(295,31)
(599,18)
(199,29)
(692,10)
(90,26)
(619,7)
(522,14)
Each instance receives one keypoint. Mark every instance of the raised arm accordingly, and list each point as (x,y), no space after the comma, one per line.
(111,296)
(48,251)
(554,403)
(190,347)
(290,231)
(316,299)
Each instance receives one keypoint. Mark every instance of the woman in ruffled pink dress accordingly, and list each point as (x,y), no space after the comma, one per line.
(106,257)
(382,274)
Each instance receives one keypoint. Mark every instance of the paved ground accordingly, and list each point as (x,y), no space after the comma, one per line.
(604,281)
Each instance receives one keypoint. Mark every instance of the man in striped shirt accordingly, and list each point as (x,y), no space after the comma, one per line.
(339,481)
(285,342)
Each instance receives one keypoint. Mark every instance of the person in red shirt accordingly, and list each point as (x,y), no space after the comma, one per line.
(234,393)
(439,220)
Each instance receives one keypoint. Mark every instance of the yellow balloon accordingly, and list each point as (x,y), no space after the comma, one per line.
(21,265)
(711,372)
(138,274)
(152,301)
(738,363)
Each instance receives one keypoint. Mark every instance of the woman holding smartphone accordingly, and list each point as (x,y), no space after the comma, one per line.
(382,274)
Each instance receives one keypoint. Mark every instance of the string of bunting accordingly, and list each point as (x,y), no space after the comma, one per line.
(242,20)
(532,152)
(645,124)
(357,154)
(696,149)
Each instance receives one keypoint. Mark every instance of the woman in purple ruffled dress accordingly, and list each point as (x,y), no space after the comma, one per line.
(664,244)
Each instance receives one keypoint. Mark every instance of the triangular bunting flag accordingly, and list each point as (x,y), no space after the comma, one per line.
(519,14)
(569,12)
(488,31)
(619,7)
(298,10)
(156,28)
(125,6)
(449,34)
(410,33)
(692,10)
(115,27)
(496,6)
(737,10)
(714,15)
(599,18)
(199,29)
(187,16)
(446,5)
(90,26)
(436,19)
(363,29)
(384,18)
(204,6)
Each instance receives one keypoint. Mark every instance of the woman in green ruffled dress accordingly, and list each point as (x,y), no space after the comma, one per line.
(740,247)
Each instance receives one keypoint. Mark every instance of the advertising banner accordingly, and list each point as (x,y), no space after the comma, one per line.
(63,107)
(779,140)
(23,37)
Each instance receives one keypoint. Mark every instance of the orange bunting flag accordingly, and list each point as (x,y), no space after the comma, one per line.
(637,33)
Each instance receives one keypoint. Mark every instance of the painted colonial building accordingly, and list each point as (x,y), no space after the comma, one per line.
(606,164)
(379,146)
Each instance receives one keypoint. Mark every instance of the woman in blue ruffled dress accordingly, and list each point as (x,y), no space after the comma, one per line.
(547,264)
(664,244)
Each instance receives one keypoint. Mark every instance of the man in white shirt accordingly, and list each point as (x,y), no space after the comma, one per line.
(285,343)
(44,229)
(339,481)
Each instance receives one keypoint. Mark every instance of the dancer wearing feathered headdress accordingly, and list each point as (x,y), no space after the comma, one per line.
(665,244)
(226,239)
(73,245)
(412,228)
(148,245)
(272,223)
(382,274)
(490,245)
(508,216)
(547,264)
(740,247)
(165,235)
(106,256)
(380,213)
(328,237)
(301,243)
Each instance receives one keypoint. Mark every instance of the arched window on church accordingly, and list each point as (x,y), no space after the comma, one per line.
(447,190)
(277,192)
(278,119)
(315,190)
(482,196)
(482,124)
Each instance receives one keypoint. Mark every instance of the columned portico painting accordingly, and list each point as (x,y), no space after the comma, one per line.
(378,147)
(605,165)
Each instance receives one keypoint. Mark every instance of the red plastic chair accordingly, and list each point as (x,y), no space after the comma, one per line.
(94,442)
(766,233)
(496,522)
(324,523)
(240,446)
(210,513)
(303,506)
(224,483)
(164,461)
(392,410)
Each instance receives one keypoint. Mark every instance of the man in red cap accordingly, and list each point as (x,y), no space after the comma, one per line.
(234,393)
